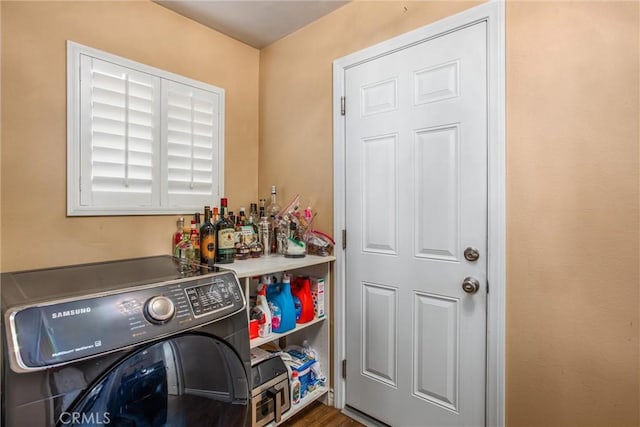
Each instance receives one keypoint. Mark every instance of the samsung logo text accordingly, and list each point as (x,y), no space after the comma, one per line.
(68,313)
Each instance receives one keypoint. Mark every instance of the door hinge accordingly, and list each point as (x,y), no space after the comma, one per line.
(344,369)
(343,105)
(344,239)
(487,286)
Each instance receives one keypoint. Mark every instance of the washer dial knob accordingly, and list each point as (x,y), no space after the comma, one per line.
(159,309)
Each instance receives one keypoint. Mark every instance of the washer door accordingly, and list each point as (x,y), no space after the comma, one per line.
(190,380)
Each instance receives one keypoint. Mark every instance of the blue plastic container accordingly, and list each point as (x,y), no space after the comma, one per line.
(279,294)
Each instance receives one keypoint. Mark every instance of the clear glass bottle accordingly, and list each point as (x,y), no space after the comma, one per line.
(277,234)
(256,250)
(274,208)
(225,232)
(177,236)
(186,251)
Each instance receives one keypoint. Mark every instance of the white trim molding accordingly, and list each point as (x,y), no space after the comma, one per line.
(492,13)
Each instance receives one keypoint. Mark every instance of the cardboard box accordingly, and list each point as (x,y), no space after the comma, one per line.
(317,294)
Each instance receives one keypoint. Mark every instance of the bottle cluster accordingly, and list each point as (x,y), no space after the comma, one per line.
(223,237)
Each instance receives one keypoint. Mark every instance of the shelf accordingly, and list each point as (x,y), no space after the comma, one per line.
(304,402)
(319,338)
(274,335)
(273,263)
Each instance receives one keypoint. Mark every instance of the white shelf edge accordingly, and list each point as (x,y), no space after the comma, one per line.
(256,342)
(304,402)
(273,263)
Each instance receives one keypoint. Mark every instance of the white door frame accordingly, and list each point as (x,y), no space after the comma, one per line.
(493,14)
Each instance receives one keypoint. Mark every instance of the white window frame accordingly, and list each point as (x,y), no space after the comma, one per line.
(160,206)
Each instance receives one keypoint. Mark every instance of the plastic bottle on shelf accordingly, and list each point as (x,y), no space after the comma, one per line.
(274,309)
(301,290)
(280,299)
(264,321)
(295,388)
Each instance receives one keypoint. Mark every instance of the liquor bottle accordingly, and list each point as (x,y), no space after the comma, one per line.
(240,245)
(177,236)
(273,235)
(225,230)
(262,211)
(250,233)
(215,217)
(272,213)
(241,251)
(186,251)
(238,230)
(196,216)
(207,240)
(194,235)
(274,208)
(242,217)
(253,214)
(256,249)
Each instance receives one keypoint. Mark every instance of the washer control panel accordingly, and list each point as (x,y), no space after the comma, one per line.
(211,298)
(58,332)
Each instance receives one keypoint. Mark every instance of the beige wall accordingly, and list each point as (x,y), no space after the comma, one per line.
(35,229)
(572,186)
(296,94)
(573,221)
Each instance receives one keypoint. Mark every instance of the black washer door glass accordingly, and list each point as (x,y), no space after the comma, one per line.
(191,380)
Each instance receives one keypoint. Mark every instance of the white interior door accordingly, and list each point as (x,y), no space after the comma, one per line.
(416,198)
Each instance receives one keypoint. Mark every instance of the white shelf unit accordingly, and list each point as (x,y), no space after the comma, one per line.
(316,332)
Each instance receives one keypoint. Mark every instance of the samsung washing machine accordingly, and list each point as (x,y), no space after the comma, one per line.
(139,342)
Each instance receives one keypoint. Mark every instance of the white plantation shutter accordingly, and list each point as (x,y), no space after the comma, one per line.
(140,140)
(120,129)
(191,129)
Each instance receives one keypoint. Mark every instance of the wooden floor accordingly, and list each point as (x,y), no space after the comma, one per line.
(319,415)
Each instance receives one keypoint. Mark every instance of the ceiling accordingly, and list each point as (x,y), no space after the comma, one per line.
(257,23)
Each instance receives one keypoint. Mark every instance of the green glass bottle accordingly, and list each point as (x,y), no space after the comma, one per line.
(225,235)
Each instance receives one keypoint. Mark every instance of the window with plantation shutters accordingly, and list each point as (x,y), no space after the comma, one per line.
(120,128)
(191,131)
(140,140)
